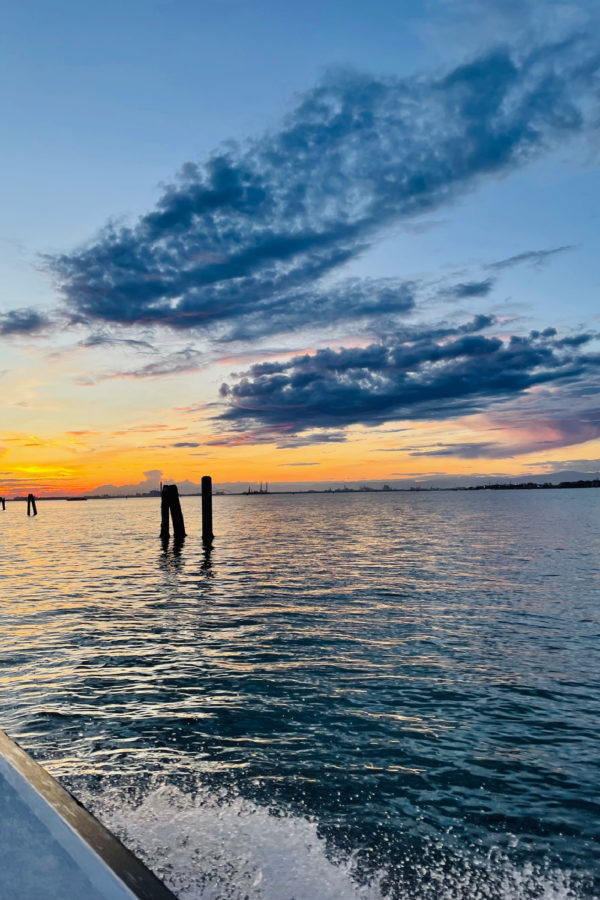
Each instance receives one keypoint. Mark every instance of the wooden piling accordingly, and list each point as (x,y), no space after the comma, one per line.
(176,514)
(164,512)
(31,507)
(207,522)
(3,501)
(169,503)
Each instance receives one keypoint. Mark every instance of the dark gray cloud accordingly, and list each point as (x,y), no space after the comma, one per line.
(22,321)
(468,289)
(529,257)
(241,244)
(435,375)
(289,438)
(187,444)
(576,340)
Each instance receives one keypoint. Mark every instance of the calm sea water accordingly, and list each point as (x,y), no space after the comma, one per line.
(352,696)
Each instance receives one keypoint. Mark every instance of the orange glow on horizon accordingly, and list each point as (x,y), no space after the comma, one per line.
(79,461)
(112,432)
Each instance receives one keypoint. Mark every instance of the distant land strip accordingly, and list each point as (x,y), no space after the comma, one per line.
(496,486)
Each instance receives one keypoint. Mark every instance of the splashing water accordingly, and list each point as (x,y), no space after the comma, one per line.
(208,847)
(213,846)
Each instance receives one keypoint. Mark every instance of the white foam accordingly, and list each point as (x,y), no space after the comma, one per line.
(207,847)
(211,846)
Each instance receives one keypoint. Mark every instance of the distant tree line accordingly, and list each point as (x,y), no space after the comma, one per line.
(534,486)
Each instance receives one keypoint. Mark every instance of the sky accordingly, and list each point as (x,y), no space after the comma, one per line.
(298,243)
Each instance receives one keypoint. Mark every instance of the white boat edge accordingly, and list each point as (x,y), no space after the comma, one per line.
(113,870)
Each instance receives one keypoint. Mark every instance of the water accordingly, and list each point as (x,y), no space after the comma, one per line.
(353,696)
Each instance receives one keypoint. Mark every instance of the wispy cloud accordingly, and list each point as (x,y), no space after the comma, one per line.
(561,424)
(529,257)
(101,339)
(583,465)
(284,465)
(283,436)
(149,428)
(83,432)
(176,363)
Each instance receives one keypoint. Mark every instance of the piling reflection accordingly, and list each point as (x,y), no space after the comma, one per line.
(206,564)
(178,545)
(170,559)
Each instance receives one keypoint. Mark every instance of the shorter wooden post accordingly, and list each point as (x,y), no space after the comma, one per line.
(176,514)
(3,501)
(170,503)
(31,507)
(207,521)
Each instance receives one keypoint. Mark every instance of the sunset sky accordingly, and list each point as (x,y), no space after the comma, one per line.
(298,242)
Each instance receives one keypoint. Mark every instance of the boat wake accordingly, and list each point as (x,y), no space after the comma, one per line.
(212,846)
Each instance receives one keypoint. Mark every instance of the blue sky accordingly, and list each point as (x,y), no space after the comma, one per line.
(103,105)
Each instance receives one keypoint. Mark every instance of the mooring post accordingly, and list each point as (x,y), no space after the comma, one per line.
(207,523)
(31,507)
(164,512)
(3,501)
(176,514)
(170,503)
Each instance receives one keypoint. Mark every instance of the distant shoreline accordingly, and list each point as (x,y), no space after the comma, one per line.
(497,486)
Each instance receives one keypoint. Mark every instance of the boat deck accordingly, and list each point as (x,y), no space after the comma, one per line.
(50,846)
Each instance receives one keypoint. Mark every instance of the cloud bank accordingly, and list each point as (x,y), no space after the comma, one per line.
(240,246)
(433,375)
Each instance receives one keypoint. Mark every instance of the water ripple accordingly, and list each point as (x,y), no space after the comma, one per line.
(402,670)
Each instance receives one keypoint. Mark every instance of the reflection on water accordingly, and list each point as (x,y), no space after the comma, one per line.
(398,672)
(206,564)
(170,559)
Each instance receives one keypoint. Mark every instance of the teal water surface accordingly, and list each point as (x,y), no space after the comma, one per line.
(352,695)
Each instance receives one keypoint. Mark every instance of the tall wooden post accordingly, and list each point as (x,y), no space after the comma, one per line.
(170,503)
(3,501)
(207,522)
(31,507)
(164,512)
